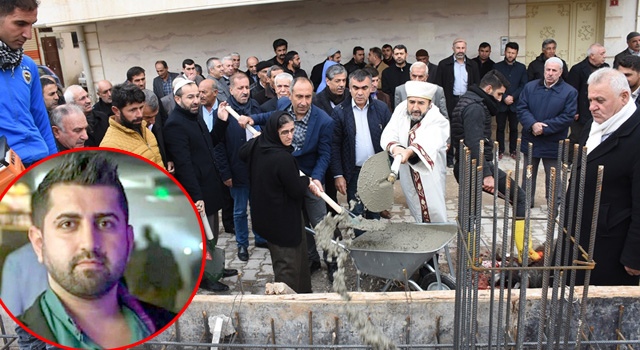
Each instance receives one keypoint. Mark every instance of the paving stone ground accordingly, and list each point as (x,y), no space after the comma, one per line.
(258,270)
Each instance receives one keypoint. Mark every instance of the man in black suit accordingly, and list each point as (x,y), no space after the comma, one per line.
(162,83)
(190,145)
(632,49)
(578,76)
(455,82)
(610,140)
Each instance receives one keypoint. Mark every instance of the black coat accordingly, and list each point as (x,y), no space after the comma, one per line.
(277,189)
(578,76)
(190,145)
(98,125)
(536,68)
(445,77)
(322,100)
(393,77)
(618,230)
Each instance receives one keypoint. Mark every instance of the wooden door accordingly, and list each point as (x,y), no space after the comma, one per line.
(51,56)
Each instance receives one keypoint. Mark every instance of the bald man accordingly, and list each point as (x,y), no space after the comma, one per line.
(103,89)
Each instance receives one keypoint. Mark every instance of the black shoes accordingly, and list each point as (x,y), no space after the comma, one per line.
(262,245)
(230,230)
(213,286)
(229,272)
(243,254)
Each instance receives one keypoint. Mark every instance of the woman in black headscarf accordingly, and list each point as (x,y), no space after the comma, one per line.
(277,192)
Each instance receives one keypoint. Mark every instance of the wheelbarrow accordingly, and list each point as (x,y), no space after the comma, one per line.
(398,251)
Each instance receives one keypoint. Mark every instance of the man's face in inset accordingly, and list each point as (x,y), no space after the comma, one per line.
(85,240)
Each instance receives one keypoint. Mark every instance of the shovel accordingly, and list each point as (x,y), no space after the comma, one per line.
(235,114)
(374,186)
(395,168)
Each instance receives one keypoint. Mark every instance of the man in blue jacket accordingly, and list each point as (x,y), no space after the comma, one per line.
(546,109)
(25,121)
(312,143)
(516,73)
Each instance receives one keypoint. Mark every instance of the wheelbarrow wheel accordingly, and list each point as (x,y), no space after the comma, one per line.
(430,282)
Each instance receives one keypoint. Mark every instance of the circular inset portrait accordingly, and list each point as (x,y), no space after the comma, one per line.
(97,249)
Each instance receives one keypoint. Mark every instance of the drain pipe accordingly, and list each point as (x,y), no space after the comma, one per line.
(82,43)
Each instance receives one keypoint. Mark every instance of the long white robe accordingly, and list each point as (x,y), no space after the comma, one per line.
(423,183)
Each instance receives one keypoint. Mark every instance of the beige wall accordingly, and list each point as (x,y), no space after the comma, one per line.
(311,27)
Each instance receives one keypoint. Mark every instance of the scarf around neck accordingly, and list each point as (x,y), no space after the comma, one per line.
(9,58)
(610,125)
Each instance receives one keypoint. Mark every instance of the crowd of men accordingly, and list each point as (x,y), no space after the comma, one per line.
(343,114)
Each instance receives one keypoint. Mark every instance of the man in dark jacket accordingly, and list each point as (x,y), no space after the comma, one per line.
(536,67)
(103,89)
(233,171)
(611,141)
(162,83)
(359,122)
(397,73)
(357,61)
(546,109)
(190,145)
(455,82)
(633,48)
(98,121)
(471,122)
(578,76)
(516,73)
